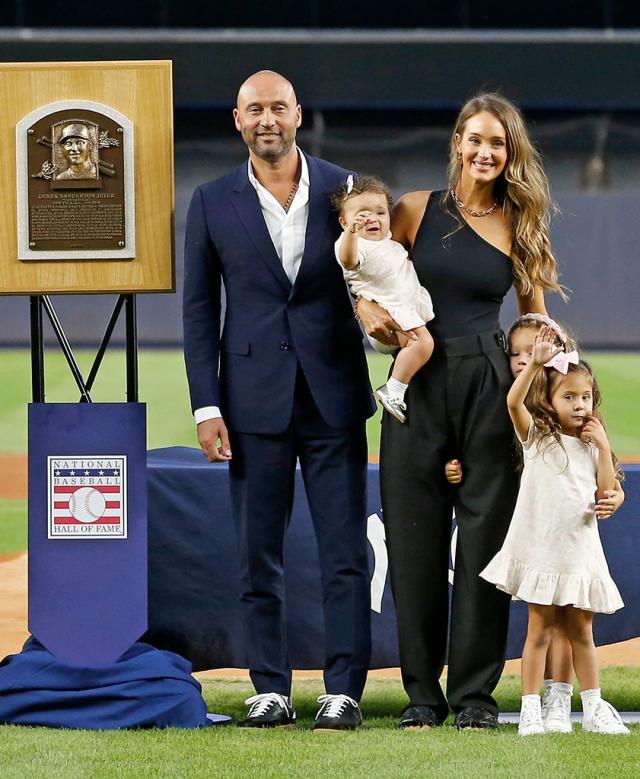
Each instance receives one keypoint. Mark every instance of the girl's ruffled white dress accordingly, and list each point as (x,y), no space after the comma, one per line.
(552,553)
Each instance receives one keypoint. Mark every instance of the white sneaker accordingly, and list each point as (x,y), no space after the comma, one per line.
(603,718)
(393,405)
(530,716)
(556,714)
(546,699)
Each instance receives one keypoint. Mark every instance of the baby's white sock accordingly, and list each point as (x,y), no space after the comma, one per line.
(396,388)
(547,685)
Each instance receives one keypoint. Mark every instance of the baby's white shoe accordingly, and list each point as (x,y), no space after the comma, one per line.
(556,709)
(395,406)
(530,716)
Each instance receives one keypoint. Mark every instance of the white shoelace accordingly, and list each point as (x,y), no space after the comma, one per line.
(605,713)
(334,705)
(260,704)
(546,702)
(558,706)
(530,714)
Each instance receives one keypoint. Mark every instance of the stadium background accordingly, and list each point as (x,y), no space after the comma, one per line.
(380,85)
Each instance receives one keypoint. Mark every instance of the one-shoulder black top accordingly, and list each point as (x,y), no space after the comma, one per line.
(465,275)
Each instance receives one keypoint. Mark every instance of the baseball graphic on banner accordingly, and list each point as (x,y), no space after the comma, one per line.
(87,504)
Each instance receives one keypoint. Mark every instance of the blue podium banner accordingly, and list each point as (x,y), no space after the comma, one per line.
(87,529)
(194,607)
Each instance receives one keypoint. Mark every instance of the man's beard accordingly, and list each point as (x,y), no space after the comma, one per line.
(271,153)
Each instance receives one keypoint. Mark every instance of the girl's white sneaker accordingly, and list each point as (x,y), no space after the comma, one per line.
(603,718)
(557,712)
(530,716)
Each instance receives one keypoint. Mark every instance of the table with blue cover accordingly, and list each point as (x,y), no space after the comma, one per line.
(194,606)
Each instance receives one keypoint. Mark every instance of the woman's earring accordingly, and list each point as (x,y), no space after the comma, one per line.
(459,156)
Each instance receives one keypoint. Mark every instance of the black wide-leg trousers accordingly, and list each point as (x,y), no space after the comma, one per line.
(333,463)
(456,408)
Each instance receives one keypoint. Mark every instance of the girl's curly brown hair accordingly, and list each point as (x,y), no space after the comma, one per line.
(545,419)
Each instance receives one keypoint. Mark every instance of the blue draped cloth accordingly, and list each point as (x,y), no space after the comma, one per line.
(144,688)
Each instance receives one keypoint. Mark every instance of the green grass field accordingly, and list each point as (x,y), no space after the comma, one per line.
(379,749)
(13,525)
(163,387)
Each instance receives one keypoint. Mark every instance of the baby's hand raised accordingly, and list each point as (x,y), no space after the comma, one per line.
(356,224)
(543,346)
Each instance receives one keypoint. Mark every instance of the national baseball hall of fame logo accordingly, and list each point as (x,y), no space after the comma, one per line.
(87,496)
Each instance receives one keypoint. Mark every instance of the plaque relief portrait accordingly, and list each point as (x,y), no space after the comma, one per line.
(75,155)
(79,150)
(75,182)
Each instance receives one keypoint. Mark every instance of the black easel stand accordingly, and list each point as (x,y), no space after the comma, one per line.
(43,302)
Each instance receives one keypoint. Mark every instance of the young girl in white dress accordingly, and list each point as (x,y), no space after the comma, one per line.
(552,557)
(559,672)
(378,268)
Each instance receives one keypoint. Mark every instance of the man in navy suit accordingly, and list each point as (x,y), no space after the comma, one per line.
(286,381)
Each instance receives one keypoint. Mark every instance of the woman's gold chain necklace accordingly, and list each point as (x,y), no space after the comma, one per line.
(471,211)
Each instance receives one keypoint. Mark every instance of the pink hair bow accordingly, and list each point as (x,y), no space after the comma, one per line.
(562,360)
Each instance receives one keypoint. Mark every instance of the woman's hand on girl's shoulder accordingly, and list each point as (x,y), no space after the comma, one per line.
(407,215)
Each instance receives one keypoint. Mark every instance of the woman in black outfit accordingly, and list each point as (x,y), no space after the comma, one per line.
(469,244)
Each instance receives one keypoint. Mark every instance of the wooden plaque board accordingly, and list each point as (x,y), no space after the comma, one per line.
(142,92)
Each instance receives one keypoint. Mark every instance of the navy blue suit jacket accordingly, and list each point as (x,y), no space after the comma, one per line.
(270,326)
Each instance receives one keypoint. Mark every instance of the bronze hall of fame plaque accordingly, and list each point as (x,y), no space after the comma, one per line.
(75,174)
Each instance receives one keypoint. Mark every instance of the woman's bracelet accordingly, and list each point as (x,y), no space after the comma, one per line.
(355,309)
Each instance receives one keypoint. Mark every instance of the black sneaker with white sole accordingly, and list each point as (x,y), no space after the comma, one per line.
(337,712)
(269,710)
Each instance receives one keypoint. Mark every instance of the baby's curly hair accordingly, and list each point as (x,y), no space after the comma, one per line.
(361,184)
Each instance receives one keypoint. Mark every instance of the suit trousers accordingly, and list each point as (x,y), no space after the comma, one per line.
(456,408)
(334,470)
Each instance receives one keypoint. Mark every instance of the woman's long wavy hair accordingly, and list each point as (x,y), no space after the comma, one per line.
(545,419)
(523,191)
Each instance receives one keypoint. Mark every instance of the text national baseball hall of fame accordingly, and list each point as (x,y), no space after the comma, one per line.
(87,496)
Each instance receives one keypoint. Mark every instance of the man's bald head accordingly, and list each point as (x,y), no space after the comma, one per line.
(264,80)
(268,115)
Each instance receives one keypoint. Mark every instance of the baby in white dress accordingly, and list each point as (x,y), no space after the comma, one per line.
(552,556)
(378,268)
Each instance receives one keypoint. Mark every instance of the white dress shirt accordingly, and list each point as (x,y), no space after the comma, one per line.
(287,230)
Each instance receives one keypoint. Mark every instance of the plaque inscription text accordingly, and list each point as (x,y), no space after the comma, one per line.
(75,183)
